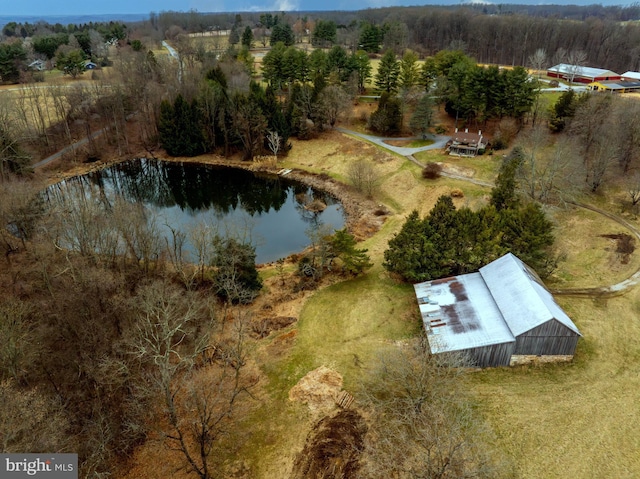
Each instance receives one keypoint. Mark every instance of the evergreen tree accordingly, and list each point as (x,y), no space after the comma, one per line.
(409,71)
(563,110)
(362,65)
(324,33)
(273,66)
(318,63)
(370,37)
(12,59)
(236,277)
(48,44)
(411,254)
(504,195)
(72,63)
(282,33)
(338,62)
(247,37)
(528,234)
(387,119)
(388,72)
(180,128)
(450,242)
(422,117)
(295,65)
(354,260)
(234,35)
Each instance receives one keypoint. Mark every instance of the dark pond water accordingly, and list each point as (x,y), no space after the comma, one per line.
(269,210)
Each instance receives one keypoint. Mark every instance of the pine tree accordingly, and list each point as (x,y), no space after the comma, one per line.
(409,72)
(234,35)
(282,33)
(387,119)
(388,72)
(236,277)
(411,253)
(180,128)
(247,37)
(370,38)
(354,260)
(504,194)
(422,117)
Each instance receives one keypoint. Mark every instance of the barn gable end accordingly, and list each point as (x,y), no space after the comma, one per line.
(549,339)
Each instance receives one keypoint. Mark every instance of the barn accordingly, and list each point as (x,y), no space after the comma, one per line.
(580,74)
(500,316)
(631,76)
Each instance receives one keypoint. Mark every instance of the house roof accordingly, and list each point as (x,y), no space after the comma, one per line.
(503,300)
(580,71)
(467,138)
(632,75)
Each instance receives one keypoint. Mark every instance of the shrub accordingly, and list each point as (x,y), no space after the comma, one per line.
(432,171)
(498,144)
(440,130)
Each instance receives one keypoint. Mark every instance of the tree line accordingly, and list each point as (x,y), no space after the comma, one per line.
(499,34)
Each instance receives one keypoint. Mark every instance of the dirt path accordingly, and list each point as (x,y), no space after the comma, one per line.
(596,292)
(69,148)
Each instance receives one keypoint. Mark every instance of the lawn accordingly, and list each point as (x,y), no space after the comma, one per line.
(571,420)
(577,420)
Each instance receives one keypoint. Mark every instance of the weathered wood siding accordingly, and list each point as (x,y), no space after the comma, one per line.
(551,338)
(490,356)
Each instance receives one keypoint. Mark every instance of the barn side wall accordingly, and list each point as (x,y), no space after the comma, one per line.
(490,356)
(551,338)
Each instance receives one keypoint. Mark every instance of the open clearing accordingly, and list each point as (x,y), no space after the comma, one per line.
(575,420)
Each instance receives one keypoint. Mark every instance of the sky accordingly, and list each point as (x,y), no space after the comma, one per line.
(88,7)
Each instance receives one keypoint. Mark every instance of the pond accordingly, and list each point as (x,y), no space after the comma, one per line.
(272,212)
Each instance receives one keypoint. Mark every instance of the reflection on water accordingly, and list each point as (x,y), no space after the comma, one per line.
(269,210)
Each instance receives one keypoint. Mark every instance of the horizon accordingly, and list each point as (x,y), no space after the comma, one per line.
(65,8)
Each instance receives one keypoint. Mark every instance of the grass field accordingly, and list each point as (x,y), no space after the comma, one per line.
(576,420)
(573,420)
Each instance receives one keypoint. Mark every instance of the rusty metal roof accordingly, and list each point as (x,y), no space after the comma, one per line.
(459,313)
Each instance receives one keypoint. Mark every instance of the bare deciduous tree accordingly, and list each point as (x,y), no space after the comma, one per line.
(174,335)
(334,102)
(633,189)
(422,423)
(30,421)
(576,60)
(538,60)
(16,349)
(363,177)
(274,140)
